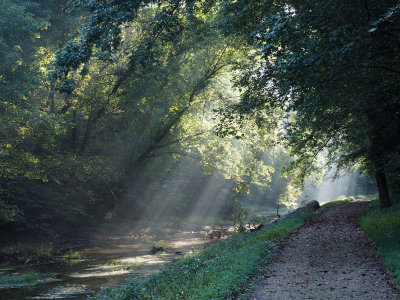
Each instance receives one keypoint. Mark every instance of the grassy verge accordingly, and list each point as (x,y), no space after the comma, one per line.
(217,272)
(337,202)
(344,199)
(383,227)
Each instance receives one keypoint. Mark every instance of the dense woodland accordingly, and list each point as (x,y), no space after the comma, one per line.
(133,109)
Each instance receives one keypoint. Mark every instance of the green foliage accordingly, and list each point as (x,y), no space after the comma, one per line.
(334,88)
(139,87)
(101,36)
(72,255)
(158,247)
(37,206)
(159,99)
(7,212)
(383,227)
(337,202)
(238,219)
(19,31)
(26,278)
(258,220)
(218,272)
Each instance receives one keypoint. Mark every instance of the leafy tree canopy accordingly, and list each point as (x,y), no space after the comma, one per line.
(332,68)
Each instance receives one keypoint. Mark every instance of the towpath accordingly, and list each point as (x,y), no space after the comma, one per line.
(328,258)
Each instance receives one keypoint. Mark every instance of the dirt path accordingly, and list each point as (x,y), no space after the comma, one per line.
(328,258)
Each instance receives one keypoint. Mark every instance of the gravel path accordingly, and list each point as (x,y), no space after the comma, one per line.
(328,258)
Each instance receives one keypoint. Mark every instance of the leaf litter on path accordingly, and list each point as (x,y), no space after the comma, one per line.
(330,257)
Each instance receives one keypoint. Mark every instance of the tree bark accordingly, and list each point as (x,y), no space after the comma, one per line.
(384,198)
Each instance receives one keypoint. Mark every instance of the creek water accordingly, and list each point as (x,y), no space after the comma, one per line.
(102,264)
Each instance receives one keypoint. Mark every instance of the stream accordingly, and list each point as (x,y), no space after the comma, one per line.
(101,264)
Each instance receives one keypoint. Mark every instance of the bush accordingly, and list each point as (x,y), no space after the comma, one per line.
(158,247)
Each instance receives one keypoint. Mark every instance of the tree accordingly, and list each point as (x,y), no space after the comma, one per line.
(333,69)
(137,99)
(19,32)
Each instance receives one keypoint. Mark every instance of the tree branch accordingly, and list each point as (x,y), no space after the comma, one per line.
(176,153)
(180,140)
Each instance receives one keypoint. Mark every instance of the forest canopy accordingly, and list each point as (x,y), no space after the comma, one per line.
(141,108)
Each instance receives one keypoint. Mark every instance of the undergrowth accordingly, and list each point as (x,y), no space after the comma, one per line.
(217,272)
(383,227)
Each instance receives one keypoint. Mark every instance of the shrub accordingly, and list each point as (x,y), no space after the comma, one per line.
(158,247)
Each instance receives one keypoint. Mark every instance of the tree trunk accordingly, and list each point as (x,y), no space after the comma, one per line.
(384,198)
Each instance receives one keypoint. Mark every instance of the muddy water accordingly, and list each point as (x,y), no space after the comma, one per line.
(104,264)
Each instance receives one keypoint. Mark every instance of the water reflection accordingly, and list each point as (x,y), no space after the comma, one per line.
(64,292)
(104,264)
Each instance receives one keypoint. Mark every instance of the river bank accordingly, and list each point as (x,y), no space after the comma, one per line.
(80,265)
(87,259)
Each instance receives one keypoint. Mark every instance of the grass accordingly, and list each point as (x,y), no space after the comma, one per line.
(72,255)
(217,272)
(30,276)
(26,279)
(17,280)
(257,209)
(383,227)
(344,199)
(337,202)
